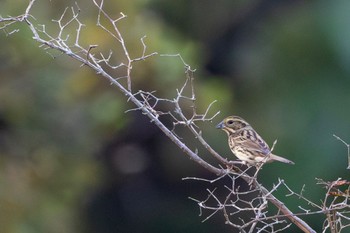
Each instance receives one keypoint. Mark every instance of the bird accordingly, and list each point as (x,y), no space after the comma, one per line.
(246,144)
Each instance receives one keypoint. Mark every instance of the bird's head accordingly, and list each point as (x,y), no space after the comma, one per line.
(232,124)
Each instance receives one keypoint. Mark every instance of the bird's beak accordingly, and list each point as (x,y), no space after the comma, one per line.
(220,125)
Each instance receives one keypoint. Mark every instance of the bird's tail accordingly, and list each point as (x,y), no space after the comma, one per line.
(280,159)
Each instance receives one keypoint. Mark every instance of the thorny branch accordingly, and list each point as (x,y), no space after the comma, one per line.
(245,206)
(99,63)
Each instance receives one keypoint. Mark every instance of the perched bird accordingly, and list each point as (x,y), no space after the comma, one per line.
(246,143)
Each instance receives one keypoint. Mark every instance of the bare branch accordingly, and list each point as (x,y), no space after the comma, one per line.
(347,146)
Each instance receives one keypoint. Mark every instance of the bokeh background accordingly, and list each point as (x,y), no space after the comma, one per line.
(72,160)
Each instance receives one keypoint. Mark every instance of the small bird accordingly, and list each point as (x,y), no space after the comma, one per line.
(246,143)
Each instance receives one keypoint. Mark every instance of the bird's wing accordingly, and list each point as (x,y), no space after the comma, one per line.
(252,141)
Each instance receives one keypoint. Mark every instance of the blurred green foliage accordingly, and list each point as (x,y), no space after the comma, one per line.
(284,67)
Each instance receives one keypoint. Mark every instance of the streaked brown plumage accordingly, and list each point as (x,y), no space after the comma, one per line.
(246,143)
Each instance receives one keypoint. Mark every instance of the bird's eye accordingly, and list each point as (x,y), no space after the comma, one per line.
(230,122)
